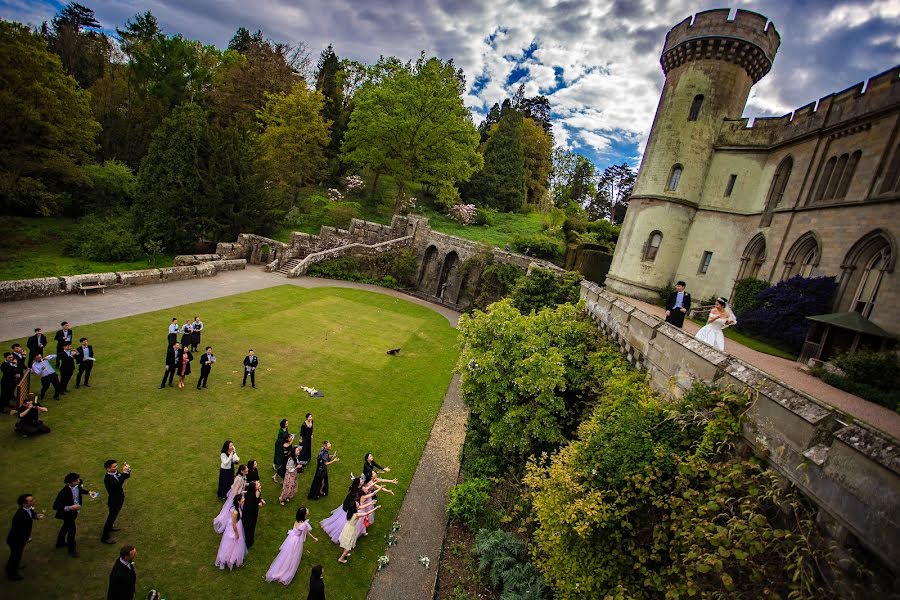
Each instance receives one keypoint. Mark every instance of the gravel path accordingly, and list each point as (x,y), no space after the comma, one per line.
(791,373)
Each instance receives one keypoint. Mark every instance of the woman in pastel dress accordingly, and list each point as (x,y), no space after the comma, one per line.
(348,537)
(232,548)
(237,488)
(720,317)
(284,567)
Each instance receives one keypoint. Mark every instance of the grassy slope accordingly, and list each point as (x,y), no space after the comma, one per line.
(332,339)
(33,247)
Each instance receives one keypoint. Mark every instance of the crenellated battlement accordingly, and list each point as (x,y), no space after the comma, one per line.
(866,97)
(749,39)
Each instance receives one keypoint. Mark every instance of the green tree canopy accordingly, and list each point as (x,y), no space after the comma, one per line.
(536,148)
(47,126)
(409,121)
(501,183)
(613,190)
(85,54)
(292,145)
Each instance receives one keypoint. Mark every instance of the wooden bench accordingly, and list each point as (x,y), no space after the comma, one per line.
(84,286)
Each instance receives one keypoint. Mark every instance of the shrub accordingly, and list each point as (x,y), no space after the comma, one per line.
(478,458)
(497,282)
(468,501)
(745,292)
(501,556)
(394,269)
(485,217)
(664,293)
(339,214)
(889,398)
(540,245)
(401,265)
(105,239)
(112,187)
(542,288)
(464,214)
(783,308)
(876,369)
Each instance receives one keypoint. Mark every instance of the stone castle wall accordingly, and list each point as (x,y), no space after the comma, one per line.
(851,471)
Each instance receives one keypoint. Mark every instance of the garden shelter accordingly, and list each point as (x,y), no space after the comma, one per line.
(836,333)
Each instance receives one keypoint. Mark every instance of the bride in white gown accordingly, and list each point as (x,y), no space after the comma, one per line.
(720,317)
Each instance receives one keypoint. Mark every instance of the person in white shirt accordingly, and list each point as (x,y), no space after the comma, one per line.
(173,332)
(43,369)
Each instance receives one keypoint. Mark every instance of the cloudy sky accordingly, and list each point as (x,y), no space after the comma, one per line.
(596,60)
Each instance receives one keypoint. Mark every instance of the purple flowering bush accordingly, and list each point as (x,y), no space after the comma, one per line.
(780,315)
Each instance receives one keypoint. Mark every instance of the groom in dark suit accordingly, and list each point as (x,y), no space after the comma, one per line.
(678,305)
(20,534)
(115,497)
(67,505)
(123,579)
(173,358)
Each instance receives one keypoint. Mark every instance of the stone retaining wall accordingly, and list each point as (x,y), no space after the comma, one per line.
(851,471)
(24,289)
(349,250)
(194,259)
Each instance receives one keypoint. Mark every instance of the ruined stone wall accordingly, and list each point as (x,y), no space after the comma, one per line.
(850,471)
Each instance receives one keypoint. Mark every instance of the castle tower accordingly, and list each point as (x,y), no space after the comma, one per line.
(710,63)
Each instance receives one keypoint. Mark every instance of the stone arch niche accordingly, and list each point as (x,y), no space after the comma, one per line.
(262,254)
(449,282)
(753,258)
(428,274)
(862,272)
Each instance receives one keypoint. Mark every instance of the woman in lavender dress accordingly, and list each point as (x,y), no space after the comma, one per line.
(284,567)
(233,548)
(237,489)
(334,524)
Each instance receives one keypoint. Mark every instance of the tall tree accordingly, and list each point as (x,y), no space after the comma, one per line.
(329,84)
(536,147)
(138,32)
(85,54)
(47,126)
(613,190)
(501,183)
(491,119)
(563,167)
(581,185)
(409,121)
(292,145)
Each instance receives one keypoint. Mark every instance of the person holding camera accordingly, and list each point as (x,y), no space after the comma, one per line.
(67,506)
(207,360)
(115,494)
(29,422)
(42,368)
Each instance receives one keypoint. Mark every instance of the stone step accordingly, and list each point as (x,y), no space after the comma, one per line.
(288,266)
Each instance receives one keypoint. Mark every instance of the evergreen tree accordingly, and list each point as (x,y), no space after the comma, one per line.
(491,119)
(501,183)
(329,84)
(536,147)
(241,40)
(138,32)
(613,190)
(84,54)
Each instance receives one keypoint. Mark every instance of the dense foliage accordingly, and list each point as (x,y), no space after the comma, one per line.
(526,378)
(782,310)
(394,269)
(467,501)
(874,376)
(543,288)
(502,557)
(745,294)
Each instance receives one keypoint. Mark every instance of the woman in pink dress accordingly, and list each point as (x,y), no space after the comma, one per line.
(233,548)
(284,567)
(237,488)
(184,369)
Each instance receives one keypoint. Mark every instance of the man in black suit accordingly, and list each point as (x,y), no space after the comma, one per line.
(250,364)
(677,305)
(123,579)
(20,358)
(207,359)
(66,364)
(36,345)
(11,376)
(173,357)
(62,336)
(20,534)
(67,505)
(114,482)
(84,356)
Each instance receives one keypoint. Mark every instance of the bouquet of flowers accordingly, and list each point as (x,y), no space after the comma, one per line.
(383,561)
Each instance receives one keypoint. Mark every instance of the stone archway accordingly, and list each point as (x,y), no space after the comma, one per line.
(448,284)
(429,271)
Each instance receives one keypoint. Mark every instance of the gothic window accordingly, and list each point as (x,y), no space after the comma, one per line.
(847,176)
(695,107)
(674,178)
(836,175)
(891,181)
(704,262)
(803,257)
(753,258)
(863,270)
(823,179)
(652,248)
(730,187)
(776,190)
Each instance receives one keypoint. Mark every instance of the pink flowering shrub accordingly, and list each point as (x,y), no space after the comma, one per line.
(464,214)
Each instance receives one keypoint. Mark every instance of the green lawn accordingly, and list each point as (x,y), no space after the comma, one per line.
(752,343)
(33,247)
(505,228)
(329,338)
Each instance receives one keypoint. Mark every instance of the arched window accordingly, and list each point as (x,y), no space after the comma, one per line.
(803,257)
(891,181)
(652,247)
(863,270)
(695,107)
(753,258)
(776,190)
(823,179)
(836,176)
(674,178)
(847,175)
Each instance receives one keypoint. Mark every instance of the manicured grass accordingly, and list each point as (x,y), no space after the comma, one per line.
(752,343)
(33,247)
(329,338)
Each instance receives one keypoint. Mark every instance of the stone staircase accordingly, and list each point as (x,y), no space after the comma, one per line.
(288,266)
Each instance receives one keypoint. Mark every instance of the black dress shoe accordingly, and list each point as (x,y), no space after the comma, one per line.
(77,385)
(74,554)
(162,387)
(109,541)
(87,385)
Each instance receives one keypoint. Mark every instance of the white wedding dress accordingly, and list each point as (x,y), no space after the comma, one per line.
(711,333)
